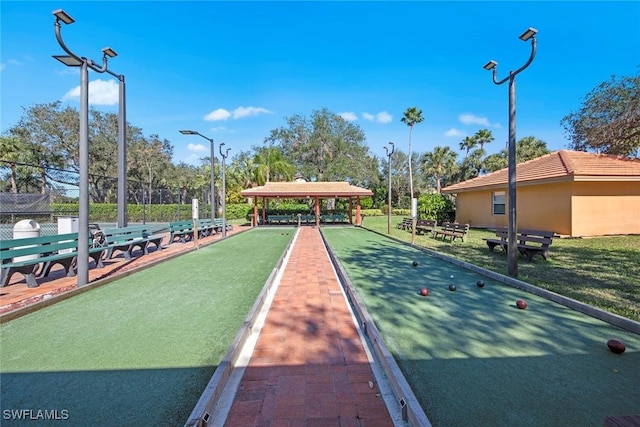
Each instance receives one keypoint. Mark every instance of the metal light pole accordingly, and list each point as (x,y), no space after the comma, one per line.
(389,154)
(73,60)
(224,190)
(122,151)
(512,253)
(213,188)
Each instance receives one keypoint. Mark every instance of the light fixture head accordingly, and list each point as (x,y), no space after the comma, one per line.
(68,60)
(188,132)
(109,52)
(490,65)
(63,16)
(529,33)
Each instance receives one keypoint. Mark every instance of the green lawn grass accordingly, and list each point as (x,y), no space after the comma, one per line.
(140,350)
(601,271)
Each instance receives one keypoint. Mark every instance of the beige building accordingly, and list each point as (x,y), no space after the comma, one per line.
(573,193)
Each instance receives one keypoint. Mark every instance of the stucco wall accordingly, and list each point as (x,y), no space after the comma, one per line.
(601,208)
(545,207)
(475,208)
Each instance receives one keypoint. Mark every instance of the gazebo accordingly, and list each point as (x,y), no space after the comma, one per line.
(305,190)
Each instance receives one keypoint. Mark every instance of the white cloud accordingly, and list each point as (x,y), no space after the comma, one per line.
(238,113)
(101,92)
(349,116)
(471,119)
(219,114)
(453,132)
(14,62)
(383,117)
(218,129)
(2,66)
(197,148)
(241,112)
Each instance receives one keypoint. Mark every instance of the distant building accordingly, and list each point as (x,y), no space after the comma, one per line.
(573,193)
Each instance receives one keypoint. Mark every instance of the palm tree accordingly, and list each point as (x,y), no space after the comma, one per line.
(11,151)
(483,136)
(270,163)
(439,163)
(468,143)
(529,148)
(411,117)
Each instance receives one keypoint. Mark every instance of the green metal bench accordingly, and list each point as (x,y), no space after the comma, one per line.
(182,230)
(279,219)
(126,239)
(25,255)
(217,225)
(206,227)
(333,218)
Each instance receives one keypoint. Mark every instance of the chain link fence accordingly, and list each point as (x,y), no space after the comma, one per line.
(46,194)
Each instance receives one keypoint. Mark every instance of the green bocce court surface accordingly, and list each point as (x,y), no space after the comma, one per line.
(472,358)
(138,351)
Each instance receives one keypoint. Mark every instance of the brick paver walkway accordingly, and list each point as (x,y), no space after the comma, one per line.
(309,367)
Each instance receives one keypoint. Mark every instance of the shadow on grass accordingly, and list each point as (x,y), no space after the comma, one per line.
(472,357)
(136,397)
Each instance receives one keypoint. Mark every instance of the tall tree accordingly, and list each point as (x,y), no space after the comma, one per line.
(468,144)
(12,151)
(471,166)
(439,163)
(609,118)
(271,164)
(411,117)
(325,147)
(527,148)
(482,137)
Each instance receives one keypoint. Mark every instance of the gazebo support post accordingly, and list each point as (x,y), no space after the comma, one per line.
(255,212)
(264,210)
(358,210)
(317,209)
(351,210)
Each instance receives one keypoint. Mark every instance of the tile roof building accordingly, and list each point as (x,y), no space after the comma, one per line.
(573,193)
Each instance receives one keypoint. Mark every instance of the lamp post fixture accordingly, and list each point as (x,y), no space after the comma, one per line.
(212,155)
(389,154)
(512,252)
(73,60)
(224,190)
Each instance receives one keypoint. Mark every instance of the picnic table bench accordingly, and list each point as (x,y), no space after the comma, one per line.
(500,240)
(425,226)
(405,224)
(126,239)
(534,242)
(26,254)
(452,230)
(279,219)
(530,242)
(182,230)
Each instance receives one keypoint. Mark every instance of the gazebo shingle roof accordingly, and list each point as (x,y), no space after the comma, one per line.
(304,189)
(563,165)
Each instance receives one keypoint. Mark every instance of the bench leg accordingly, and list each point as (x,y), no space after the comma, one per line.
(97,258)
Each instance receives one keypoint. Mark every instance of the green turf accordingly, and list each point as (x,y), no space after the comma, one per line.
(140,350)
(472,357)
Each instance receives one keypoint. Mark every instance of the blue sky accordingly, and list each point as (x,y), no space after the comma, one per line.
(235,70)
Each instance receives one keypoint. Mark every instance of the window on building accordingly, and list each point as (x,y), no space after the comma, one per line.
(498,203)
